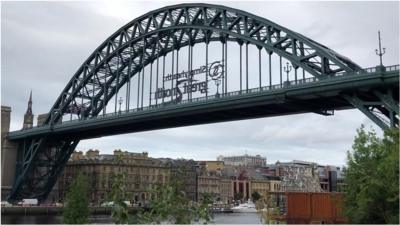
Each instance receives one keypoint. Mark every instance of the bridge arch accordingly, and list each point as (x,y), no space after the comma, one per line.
(155,34)
(44,151)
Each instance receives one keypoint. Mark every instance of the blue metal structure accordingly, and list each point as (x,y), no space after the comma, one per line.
(329,81)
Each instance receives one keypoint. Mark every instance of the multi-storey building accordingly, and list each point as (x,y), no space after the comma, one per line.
(302,176)
(217,187)
(210,185)
(240,182)
(221,182)
(225,187)
(213,182)
(185,172)
(244,160)
(331,179)
(275,185)
(263,187)
(250,180)
(299,177)
(142,173)
(212,165)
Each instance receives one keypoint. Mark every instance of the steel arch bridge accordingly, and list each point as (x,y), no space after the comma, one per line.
(139,66)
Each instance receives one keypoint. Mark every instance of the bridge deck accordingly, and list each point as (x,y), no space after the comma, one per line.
(308,95)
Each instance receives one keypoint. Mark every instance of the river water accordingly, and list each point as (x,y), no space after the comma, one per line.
(236,218)
(219,218)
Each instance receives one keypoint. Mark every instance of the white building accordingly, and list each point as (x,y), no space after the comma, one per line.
(243,160)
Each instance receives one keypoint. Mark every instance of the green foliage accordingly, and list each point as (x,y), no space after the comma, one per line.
(238,196)
(76,209)
(268,209)
(372,176)
(203,210)
(119,211)
(170,204)
(255,196)
(173,206)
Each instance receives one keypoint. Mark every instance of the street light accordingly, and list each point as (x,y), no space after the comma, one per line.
(287,69)
(120,103)
(380,53)
(217,82)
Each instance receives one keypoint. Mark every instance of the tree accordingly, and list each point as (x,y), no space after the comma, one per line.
(171,205)
(372,177)
(76,209)
(119,211)
(268,208)
(255,196)
(238,196)
(203,208)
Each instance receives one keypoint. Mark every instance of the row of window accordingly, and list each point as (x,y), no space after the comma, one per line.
(108,168)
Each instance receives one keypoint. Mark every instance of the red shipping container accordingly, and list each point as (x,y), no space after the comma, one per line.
(306,207)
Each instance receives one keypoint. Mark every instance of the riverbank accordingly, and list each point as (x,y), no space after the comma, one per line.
(47,210)
(219,218)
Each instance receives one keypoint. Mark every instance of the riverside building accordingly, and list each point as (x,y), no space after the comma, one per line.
(243,160)
(142,174)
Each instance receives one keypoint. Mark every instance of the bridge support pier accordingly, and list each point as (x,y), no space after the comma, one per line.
(39,163)
(383,110)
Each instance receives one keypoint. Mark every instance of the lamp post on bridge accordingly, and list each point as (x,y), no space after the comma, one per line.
(120,103)
(217,82)
(287,69)
(380,53)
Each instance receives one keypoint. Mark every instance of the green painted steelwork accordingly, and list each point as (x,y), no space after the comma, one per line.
(336,86)
(161,31)
(337,83)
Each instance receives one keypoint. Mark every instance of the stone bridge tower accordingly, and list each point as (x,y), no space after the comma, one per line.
(8,154)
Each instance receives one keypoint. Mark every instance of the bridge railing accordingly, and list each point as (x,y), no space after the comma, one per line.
(371,70)
(392,68)
(285,84)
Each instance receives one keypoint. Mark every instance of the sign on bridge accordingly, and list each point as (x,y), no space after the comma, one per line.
(185,81)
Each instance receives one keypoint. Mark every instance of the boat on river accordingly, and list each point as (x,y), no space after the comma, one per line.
(246,207)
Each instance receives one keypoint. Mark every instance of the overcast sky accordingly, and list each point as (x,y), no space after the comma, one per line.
(44,43)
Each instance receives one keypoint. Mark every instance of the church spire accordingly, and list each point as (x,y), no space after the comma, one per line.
(29,110)
(28,117)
